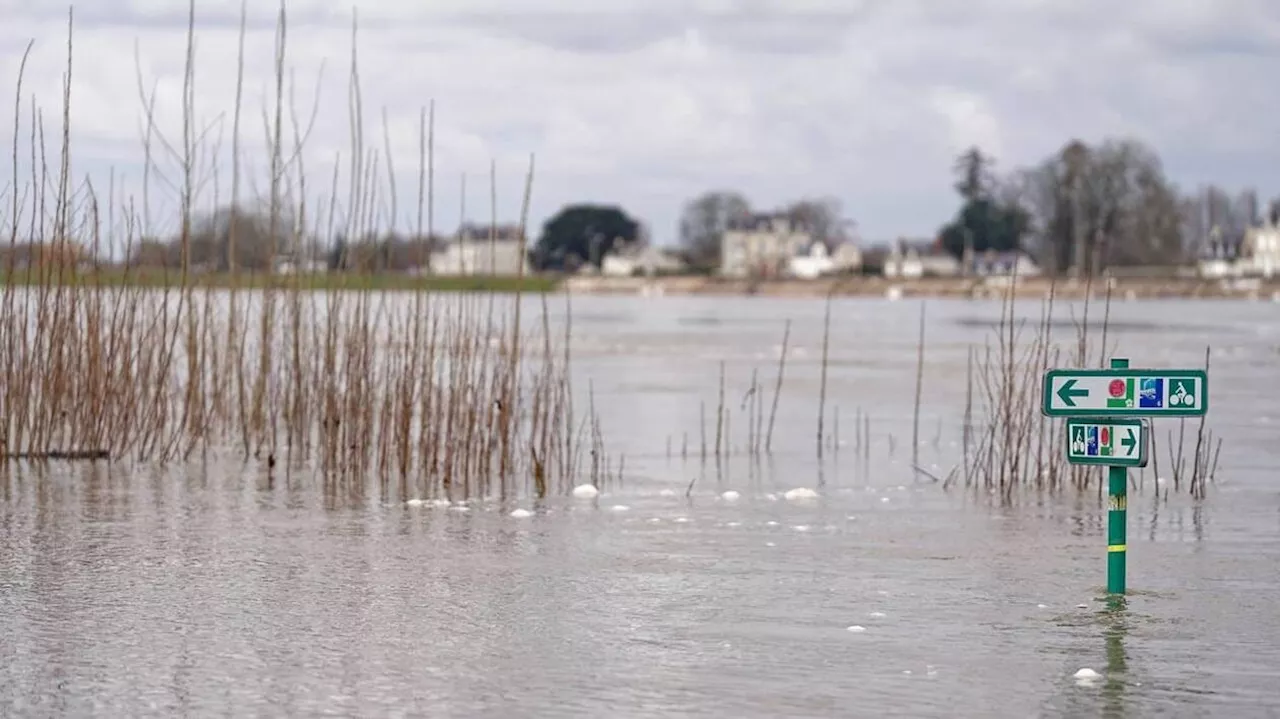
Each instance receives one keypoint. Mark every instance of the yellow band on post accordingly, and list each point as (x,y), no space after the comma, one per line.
(1116,548)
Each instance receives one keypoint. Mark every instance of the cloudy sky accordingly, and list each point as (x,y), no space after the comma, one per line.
(646,103)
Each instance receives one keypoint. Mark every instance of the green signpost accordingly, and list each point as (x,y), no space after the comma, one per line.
(1107,442)
(1123,392)
(1104,427)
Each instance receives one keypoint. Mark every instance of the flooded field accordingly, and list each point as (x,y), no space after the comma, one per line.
(209,590)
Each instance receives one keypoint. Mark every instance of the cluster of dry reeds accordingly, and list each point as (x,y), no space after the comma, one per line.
(453,396)
(1006,443)
(1011,445)
(757,438)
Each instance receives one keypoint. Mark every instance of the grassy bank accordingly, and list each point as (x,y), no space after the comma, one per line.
(388,282)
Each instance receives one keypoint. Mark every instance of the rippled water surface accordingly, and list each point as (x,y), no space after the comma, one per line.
(211,591)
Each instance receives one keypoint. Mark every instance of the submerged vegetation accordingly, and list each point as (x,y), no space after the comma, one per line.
(432,396)
(1005,444)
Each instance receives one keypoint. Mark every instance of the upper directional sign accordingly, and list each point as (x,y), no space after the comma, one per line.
(1125,393)
(1112,442)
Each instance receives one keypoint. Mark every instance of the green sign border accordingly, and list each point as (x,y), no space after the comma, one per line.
(1047,384)
(1144,442)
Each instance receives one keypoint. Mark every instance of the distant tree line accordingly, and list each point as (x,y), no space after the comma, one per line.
(246,239)
(1089,207)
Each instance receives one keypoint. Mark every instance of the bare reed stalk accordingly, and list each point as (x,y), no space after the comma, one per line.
(915,414)
(720,418)
(777,387)
(822,389)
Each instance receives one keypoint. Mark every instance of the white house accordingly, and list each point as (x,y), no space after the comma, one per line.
(646,260)
(762,245)
(290,266)
(913,260)
(482,251)
(812,263)
(1262,250)
(1256,254)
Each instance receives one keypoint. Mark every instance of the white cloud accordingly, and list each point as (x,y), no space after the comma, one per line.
(648,102)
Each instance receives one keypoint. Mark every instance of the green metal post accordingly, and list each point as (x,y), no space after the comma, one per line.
(1118,491)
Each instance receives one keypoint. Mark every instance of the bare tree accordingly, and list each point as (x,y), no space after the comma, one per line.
(704,222)
(1109,204)
(822,217)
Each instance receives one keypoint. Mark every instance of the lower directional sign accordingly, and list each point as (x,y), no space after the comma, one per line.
(1112,442)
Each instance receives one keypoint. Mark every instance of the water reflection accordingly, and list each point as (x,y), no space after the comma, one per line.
(1115,629)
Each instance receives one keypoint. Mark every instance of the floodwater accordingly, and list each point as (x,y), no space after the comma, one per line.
(205,591)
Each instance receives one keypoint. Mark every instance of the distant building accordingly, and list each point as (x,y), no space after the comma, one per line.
(1262,250)
(762,246)
(300,266)
(1253,253)
(476,252)
(646,260)
(817,261)
(913,259)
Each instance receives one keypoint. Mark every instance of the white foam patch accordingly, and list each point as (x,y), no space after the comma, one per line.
(415,503)
(771,497)
(619,508)
(520,513)
(439,503)
(667,493)
(586,491)
(770,544)
(801,527)
(800,494)
(876,615)
(770,523)
(460,508)
(1086,677)
(681,520)
(730,496)
(655,520)
(857,629)
(733,524)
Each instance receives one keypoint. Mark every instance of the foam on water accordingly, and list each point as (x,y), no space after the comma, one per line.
(521,513)
(800,494)
(586,491)
(1086,677)
(730,496)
